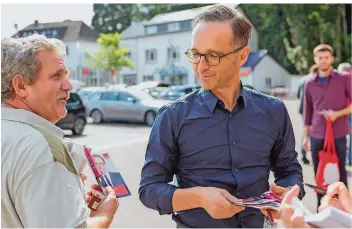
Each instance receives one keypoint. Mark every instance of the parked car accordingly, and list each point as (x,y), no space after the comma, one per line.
(75,119)
(123,105)
(175,92)
(150,84)
(155,91)
(85,92)
(76,85)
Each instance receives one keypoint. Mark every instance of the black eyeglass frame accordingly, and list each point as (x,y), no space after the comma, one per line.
(206,59)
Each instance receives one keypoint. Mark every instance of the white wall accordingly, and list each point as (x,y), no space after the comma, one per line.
(161,43)
(269,68)
(138,47)
(76,52)
(254,41)
(76,60)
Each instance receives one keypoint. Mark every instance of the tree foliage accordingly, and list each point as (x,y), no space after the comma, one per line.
(110,56)
(289,31)
(110,18)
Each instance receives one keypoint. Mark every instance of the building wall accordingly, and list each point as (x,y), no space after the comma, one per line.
(182,40)
(76,60)
(253,42)
(138,47)
(268,68)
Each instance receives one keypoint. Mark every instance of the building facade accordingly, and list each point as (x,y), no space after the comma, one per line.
(157,48)
(80,40)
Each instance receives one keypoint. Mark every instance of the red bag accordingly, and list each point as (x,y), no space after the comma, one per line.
(328,169)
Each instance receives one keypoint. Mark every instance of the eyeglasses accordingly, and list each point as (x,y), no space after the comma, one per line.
(211,58)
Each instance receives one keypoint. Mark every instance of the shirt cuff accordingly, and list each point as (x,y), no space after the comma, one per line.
(164,203)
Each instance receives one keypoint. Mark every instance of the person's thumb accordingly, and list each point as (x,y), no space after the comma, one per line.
(110,191)
(227,195)
(277,189)
(293,192)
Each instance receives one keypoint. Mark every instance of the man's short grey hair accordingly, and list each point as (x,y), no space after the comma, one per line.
(241,28)
(20,56)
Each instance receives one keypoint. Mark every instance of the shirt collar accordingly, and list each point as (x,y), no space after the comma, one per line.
(24,116)
(211,100)
(332,74)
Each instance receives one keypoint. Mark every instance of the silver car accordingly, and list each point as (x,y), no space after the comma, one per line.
(123,105)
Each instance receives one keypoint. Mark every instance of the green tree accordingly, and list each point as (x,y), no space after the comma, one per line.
(110,18)
(269,20)
(291,31)
(111,56)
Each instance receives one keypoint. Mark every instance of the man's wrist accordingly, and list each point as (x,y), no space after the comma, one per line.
(99,222)
(342,113)
(196,195)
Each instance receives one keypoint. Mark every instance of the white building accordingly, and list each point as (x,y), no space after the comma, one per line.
(79,39)
(157,49)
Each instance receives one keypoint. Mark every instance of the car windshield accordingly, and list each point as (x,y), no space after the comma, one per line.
(175,89)
(140,94)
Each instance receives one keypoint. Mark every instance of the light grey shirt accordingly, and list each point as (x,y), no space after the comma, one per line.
(40,186)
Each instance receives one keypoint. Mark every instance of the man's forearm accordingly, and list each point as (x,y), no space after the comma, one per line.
(185,199)
(98,222)
(306,131)
(344,112)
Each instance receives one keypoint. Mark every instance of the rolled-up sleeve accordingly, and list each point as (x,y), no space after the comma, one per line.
(285,166)
(160,163)
(308,106)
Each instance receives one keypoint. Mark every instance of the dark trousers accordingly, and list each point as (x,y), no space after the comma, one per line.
(340,144)
(304,153)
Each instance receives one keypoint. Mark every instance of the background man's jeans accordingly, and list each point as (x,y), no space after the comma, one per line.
(340,144)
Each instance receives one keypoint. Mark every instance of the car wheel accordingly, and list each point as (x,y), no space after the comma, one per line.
(97,116)
(150,118)
(78,126)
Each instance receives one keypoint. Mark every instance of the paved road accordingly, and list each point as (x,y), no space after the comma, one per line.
(127,142)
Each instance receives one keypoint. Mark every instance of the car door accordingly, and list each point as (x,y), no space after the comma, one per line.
(110,105)
(130,107)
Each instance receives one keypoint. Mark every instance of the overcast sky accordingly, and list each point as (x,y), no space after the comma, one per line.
(25,14)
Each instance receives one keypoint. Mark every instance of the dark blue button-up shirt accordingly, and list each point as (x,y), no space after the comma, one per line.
(204,144)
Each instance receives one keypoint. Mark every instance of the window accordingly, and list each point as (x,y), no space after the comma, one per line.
(130,79)
(110,96)
(162,28)
(95,97)
(151,29)
(185,25)
(126,97)
(268,82)
(150,56)
(54,33)
(172,27)
(129,55)
(173,53)
(148,78)
(188,90)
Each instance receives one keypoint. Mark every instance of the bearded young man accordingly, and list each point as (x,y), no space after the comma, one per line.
(325,97)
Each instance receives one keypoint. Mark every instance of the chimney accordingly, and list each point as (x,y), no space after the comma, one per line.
(36,22)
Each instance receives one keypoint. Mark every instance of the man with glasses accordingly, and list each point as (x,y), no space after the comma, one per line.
(220,141)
